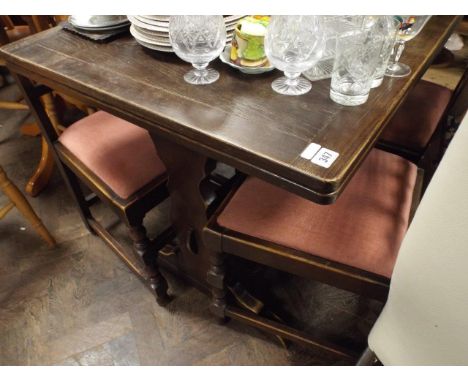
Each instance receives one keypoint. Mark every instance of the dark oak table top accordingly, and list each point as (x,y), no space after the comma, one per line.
(239,119)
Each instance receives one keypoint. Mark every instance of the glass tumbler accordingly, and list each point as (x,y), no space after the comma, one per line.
(198,40)
(387,26)
(357,54)
(294,44)
(333,27)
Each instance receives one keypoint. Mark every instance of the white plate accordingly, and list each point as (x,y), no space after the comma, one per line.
(148,26)
(142,37)
(103,29)
(226,58)
(231,24)
(97,22)
(232,18)
(158,17)
(144,19)
(164,27)
(154,47)
(151,32)
(154,39)
(227,19)
(162,37)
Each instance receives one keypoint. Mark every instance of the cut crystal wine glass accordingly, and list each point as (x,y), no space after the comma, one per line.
(294,44)
(198,40)
(410,26)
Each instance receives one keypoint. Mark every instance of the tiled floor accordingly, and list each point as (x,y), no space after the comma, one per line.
(79,305)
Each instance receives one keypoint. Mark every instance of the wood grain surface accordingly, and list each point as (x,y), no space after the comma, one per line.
(239,119)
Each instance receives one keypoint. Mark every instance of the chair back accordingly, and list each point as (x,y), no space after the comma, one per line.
(459,103)
(425,319)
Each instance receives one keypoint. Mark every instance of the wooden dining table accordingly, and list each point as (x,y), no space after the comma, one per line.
(306,144)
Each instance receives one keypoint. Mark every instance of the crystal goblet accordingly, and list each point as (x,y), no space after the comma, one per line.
(198,40)
(410,26)
(294,44)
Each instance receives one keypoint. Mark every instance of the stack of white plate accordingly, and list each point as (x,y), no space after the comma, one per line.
(153,31)
(99,23)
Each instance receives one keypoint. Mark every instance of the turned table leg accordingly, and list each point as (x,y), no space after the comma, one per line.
(216,276)
(20,202)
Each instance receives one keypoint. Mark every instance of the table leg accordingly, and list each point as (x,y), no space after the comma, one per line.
(190,198)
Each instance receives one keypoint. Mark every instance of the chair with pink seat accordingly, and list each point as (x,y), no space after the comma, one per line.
(418,129)
(118,162)
(351,244)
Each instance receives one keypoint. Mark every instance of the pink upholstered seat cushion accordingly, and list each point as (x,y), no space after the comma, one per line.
(415,121)
(120,153)
(363,229)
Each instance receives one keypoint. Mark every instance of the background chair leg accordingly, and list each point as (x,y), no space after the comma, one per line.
(143,248)
(368,358)
(43,173)
(8,105)
(30,130)
(20,202)
(13,105)
(216,278)
(5,209)
(41,177)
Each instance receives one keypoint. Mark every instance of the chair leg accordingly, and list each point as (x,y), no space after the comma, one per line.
(368,358)
(20,202)
(216,279)
(142,247)
(13,105)
(43,173)
(44,170)
(30,129)
(73,185)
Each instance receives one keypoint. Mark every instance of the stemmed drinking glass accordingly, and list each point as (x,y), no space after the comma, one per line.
(294,44)
(410,26)
(198,40)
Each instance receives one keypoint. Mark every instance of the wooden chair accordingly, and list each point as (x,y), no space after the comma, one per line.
(10,32)
(418,129)
(351,244)
(19,201)
(118,162)
(424,321)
